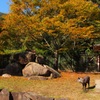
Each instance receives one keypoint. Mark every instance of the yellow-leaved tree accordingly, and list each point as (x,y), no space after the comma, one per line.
(54,25)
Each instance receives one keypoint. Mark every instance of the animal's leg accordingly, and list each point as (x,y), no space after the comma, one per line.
(88,84)
(85,86)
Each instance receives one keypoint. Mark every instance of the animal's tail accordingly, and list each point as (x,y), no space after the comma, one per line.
(92,87)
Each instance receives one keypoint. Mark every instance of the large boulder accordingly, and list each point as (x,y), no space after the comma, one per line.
(34,96)
(4,94)
(54,73)
(35,69)
(25,57)
(40,59)
(13,69)
(18,62)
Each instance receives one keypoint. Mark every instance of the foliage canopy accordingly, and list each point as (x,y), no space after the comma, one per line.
(54,25)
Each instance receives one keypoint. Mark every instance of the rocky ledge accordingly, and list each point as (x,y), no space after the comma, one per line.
(6,95)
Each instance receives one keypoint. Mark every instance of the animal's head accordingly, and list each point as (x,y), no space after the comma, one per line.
(80,80)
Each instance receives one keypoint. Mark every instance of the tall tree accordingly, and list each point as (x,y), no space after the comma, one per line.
(55,25)
(69,21)
(96,1)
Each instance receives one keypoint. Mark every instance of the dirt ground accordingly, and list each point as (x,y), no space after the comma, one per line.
(66,86)
(76,91)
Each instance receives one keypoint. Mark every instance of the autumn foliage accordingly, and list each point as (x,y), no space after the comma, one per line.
(54,25)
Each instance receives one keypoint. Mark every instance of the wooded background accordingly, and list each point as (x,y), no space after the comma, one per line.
(62,31)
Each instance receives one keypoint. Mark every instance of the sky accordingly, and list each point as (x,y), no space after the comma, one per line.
(4,6)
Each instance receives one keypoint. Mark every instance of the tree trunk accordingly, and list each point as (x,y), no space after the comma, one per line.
(56,60)
(98,63)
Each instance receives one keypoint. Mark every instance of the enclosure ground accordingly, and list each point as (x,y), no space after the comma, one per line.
(65,86)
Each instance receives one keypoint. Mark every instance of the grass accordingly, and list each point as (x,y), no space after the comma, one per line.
(63,87)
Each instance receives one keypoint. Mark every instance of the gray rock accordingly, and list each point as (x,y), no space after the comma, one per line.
(34,96)
(13,69)
(4,94)
(54,73)
(35,69)
(17,96)
(6,75)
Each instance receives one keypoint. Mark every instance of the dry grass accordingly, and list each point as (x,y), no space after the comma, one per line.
(66,86)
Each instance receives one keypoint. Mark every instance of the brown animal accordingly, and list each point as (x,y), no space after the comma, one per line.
(84,81)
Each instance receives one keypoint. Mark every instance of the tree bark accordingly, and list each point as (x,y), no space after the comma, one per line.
(98,63)
(56,60)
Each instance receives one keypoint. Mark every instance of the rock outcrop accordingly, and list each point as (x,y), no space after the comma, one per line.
(35,69)
(6,95)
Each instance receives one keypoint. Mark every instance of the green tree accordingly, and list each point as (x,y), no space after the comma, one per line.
(70,21)
(96,1)
(51,24)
